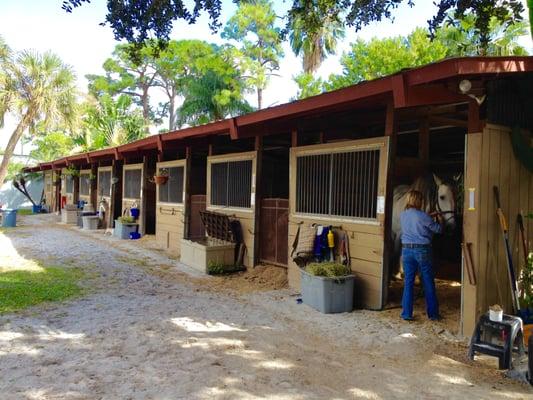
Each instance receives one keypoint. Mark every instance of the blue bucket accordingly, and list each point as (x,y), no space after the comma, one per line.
(36,209)
(135,235)
(134,212)
(81,203)
(9,218)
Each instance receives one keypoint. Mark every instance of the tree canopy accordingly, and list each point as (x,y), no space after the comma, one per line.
(138,20)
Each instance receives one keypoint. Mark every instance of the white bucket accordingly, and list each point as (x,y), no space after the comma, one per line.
(496,315)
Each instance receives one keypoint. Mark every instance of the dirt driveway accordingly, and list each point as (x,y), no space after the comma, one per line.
(150,329)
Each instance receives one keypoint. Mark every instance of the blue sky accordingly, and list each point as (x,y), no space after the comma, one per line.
(82,43)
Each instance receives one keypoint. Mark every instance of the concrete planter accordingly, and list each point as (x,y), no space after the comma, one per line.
(90,222)
(123,231)
(69,216)
(200,254)
(328,295)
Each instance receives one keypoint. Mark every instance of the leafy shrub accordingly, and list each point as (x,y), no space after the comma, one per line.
(328,269)
(214,268)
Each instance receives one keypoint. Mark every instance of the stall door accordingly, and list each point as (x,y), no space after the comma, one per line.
(344,185)
(274,231)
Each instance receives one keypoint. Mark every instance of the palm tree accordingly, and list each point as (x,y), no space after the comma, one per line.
(209,98)
(109,122)
(40,90)
(314,34)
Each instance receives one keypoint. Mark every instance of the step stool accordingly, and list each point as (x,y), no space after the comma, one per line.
(497,339)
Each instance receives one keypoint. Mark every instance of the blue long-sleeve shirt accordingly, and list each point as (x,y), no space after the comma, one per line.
(417,227)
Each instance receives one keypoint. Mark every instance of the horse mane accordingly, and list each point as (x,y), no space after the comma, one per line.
(426,185)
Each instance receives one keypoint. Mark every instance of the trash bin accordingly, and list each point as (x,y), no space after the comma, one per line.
(9,218)
(90,222)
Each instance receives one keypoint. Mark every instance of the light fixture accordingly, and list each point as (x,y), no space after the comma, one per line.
(465,86)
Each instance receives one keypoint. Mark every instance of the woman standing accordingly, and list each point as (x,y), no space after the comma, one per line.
(417,229)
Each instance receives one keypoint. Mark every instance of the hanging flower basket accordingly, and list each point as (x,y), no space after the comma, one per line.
(160,179)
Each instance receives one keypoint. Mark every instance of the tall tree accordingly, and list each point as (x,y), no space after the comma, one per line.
(380,57)
(179,62)
(215,91)
(40,90)
(126,75)
(253,27)
(52,145)
(315,29)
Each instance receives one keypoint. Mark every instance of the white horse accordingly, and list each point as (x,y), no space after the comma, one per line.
(439,197)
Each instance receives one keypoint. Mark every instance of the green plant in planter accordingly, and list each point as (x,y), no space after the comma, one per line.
(526,282)
(126,219)
(328,269)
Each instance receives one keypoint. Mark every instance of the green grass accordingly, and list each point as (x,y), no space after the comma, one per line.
(24,211)
(20,289)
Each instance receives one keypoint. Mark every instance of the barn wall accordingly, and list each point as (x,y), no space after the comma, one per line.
(366,239)
(245,216)
(490,161)
(170,217)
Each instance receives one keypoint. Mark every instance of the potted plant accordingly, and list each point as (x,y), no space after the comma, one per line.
(328,287)
(124,226)
(161,177)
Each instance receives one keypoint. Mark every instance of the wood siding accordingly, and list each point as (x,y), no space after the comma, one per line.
(245,216)
(366,238)
(490,161)
(170,217)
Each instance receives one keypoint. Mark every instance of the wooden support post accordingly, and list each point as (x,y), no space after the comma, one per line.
(210,149)
(94,186)
(475,124)
(294,138)
(76,190)
(148,195)
(115,208)
(391,128)
(321,137)
(258,197)
(187,189)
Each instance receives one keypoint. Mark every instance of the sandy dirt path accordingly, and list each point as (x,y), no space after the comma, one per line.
(149,328)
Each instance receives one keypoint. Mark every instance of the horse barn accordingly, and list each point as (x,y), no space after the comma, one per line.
(335,159)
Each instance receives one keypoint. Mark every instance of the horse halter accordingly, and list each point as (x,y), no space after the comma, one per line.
(440,211)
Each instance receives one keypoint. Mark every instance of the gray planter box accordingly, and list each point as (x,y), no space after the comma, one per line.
(123,231)
(328,295)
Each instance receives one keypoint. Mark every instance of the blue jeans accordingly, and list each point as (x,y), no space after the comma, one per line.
(419,259)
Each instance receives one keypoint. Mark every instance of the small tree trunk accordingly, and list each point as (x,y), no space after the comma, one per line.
(146,108)
(171,117)
(13,140)
(259,98)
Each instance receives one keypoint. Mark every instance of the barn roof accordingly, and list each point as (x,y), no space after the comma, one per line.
(431,84)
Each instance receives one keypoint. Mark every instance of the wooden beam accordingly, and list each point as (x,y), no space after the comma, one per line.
(233,131)
(159,148)
(437,119)
(118,156)
(187,189)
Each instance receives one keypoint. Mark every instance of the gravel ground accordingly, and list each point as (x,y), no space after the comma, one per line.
(149,328)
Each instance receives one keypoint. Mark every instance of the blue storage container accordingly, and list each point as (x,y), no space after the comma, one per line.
(36,209)
(9,218)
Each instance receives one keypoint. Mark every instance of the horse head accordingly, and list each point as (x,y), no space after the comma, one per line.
(445,203)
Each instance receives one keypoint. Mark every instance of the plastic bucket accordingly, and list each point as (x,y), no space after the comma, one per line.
(9,218)
(135,235)
(134,212)
(36,209)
